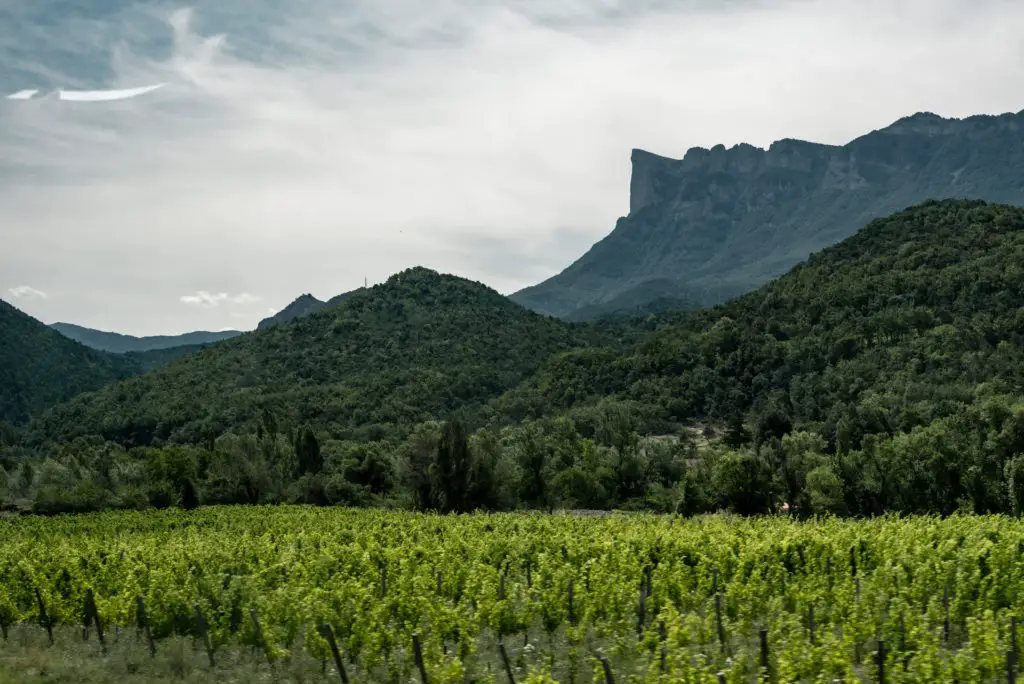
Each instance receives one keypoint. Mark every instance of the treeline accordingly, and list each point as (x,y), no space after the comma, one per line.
(595,458)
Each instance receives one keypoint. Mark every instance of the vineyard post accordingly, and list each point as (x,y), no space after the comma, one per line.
(663,637)
(1013,637)
(881,661)
(765,664)
(328,634)
(1011,667)
(718,620)
(945,607)
(259,636)
(94,613)
(418,654)
(608,679)
(142,621)
(505,662)
(572,608)
(3,626)
(204,632)
(641,611)
(721,677)
(853,561)
(44,619)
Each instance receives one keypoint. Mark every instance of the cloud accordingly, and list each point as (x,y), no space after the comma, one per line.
(302,146)
(27,292)
(205,299)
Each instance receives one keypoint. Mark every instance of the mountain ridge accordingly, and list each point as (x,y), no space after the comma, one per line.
(720,221)
(120,343)
(305,305)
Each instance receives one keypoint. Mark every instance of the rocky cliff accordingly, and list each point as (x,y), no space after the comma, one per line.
(719,222)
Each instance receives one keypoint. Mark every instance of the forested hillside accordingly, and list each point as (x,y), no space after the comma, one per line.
(417,347)
(907,318)
(884,374)
(39,367)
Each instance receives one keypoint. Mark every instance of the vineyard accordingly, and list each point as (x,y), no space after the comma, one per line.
(376,596)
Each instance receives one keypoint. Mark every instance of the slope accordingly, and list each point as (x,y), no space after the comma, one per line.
(720,222)
(118,343)
(39,367)
(419,346)
(913,318)
(304,305)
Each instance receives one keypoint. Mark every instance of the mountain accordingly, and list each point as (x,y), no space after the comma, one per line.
(122,344)
(720,222)
(304,305)
(912,319)
(39,367)
(421,345)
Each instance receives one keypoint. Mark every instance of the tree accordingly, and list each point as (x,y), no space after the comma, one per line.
(307,452)
(1015,483)
(452,468)
(825,490)
(189,496)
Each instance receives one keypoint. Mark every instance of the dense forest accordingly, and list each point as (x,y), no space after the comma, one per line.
(39,367)
(883,374)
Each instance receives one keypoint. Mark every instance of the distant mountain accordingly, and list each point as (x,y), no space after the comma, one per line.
(417,347)
(304,305)
(122,344)
(720,222)
(40,367)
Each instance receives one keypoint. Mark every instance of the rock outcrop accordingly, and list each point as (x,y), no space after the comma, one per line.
(719,222)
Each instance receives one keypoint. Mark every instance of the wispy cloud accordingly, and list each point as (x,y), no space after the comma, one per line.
(206,299)
(302,146)
(27,292)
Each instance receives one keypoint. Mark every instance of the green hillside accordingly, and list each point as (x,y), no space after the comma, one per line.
(883,374)
(39,367)
(906,318)
(417,347)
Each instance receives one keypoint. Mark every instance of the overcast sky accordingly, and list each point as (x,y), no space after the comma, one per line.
(303,145)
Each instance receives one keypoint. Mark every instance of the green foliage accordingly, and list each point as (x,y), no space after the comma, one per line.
(463,582)
(884,374)
(39,367)
(417,347)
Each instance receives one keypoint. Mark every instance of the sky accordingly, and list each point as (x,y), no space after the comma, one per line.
(304,145)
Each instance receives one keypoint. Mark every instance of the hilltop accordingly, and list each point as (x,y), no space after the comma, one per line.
(304,305)
(911,319)
(720,222)
(419,346)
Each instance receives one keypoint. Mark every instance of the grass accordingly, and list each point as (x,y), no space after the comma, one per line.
(27,657)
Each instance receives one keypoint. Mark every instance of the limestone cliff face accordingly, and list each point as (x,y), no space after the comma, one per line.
(719,222)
